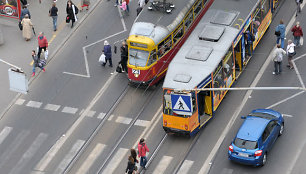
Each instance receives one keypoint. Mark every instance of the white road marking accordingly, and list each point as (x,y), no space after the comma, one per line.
(298,74)
(227,171)
(90,113)
(110,117)
(162,165)
(286,115)
(296,157)
(52,107)
(114,162)
(81,112)
(284,100)
(26,157)
(101,115)
(20,101)
(43,163)
(91,158)
(67,159)
(143,123)
(124,120)
(69,110)
(4,133)
(13,147)
(185,167)
(34,104)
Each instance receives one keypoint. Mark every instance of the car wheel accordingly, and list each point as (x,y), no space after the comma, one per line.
(264,159)
(281,130)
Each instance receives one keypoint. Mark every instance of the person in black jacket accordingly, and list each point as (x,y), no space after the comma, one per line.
(124,56)
(71,11)
(53,13)
(130,166)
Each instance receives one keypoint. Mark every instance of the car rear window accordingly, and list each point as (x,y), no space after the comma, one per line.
(246,144)
(263,115)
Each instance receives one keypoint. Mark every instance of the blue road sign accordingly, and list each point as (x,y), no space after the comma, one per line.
(181,103)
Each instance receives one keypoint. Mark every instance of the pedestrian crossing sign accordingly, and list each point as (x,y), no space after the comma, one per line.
(181,103)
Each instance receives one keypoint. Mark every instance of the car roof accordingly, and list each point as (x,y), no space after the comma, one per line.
(252,128)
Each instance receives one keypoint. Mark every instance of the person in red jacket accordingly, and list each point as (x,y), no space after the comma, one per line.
(42,44)
(142,152)
(297,33)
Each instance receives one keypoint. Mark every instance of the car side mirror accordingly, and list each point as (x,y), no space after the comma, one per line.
(243,117)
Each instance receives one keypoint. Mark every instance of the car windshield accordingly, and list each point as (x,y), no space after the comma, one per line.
(263,115)
(138,57)
(246,144)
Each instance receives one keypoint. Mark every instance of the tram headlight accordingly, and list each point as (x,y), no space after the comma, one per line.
(165,122)
(186,127)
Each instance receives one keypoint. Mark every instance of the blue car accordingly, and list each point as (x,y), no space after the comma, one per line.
(256,137)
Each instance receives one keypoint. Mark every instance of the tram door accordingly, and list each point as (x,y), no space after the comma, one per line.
(204,105)
(239,50)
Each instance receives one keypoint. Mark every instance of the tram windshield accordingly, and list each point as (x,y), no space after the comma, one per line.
(138,57)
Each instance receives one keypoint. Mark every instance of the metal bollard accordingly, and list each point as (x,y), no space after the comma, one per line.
(1,36)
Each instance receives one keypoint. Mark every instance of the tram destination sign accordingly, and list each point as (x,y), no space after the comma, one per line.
(181,104)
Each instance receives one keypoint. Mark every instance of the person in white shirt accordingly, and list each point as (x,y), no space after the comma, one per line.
(290,53)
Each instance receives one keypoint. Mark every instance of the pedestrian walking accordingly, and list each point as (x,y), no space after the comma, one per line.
(141,3)
(42,45)
(297,34)
(130,168)
(278,59)
(134,155)
(280,33)
(124,56)
(108,53)
(127,5)
(72,12)
(27,27)
(290,53)
(37,63)
(85,3)
(24,11)
(298,6)
(142,152)
(53,14)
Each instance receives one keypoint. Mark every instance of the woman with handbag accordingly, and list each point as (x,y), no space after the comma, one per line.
(297,34)
(72,11)
(290,53)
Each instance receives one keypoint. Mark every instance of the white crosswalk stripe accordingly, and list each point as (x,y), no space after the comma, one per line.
(163,164)
(143,123)
(91,159)
(13,147)
(124,120)
(20,101)
(67,159)
(90,113)
(34,104)
(26,157)
(52,107)
(69,110)
(101,115)
(185,167)
(4,133)
(227,171)
(112,165)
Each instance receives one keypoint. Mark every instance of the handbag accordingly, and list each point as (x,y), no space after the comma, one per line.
(292,54)
(301,41)
(67,19)
(20,25)
(102,58)
(119,68)
(277,33)
(46,54)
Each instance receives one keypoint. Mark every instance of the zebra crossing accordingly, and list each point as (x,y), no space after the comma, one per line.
(74,111)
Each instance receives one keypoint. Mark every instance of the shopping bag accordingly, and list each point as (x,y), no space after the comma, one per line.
(301,41)
(102,58)
(119,68)
(42,63)
(46,54)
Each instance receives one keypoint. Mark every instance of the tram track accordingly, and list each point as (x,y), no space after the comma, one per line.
(119,102)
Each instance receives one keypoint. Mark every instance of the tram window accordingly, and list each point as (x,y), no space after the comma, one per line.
(228,67)
(188,20)
(152,58)
(197,8)
(138,57)
(265,8)
(164,46)
(178,33)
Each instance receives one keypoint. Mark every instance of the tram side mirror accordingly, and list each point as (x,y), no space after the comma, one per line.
(243,117)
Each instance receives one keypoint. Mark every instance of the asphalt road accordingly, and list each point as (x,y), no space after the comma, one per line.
(82,118)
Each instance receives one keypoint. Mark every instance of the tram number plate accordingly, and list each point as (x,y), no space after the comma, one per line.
(136,71)
(244,154)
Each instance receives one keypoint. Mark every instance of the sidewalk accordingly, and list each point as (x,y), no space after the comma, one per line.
(17,51)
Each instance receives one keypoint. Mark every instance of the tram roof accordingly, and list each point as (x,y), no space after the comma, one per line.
(165,22)
(186,71)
